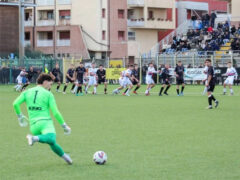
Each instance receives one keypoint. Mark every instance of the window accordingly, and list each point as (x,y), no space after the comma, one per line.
(49,35)
(131,36)
(28,16)
(46,15)
(121,14)
(46,35)
(103,13)
(104,55)
(103,35)
(65,14)
(121,35)
(64,35)
(150,14)
(27,36)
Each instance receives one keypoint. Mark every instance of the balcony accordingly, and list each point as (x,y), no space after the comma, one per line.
(160,3)
(64,22)
(63,42)
(160,24)
(27,43)
(136,3)
(49,22)
(64,2)
(28,23)
(135,23)
(44,43)
(151,24)
(45,2)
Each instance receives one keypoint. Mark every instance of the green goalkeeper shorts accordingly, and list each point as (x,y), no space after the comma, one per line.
(42,127)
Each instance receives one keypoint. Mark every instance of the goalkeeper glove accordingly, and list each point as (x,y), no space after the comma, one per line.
(66,128)
(22,120)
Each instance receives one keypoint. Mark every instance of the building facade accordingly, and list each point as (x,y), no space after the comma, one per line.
(146,18)
(73,28)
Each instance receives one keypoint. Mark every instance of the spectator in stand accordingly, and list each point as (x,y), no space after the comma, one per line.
(226,37)
(207,20)
(210,29)
(213,18)
(233,30)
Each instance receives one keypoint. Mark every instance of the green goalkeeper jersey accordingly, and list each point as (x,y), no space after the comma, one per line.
(39,102)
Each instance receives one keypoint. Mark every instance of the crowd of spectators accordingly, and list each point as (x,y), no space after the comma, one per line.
(206,37)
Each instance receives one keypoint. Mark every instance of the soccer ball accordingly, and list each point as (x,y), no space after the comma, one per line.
(100,157)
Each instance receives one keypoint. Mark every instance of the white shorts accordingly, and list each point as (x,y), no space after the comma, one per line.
(121,81)
(149,81)
(19,80)
(229,81)
(92,81)
(126,82)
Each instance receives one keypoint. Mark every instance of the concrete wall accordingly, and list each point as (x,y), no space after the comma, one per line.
(145,40)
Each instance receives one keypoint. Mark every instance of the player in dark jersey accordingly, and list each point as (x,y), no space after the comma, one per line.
(101,73)
(80,74)
(166,81)
(55,74)
(69,78)
(210,84)
(136,78)
(30,73)
(179,73)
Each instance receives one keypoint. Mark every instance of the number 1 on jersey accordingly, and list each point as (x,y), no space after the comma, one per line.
(35,97)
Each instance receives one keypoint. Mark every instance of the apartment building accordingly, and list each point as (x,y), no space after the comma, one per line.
(146,19)
(73,28)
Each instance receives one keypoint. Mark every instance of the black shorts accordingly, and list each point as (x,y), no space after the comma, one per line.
(57,80)
(134,82)
(166,82)
(180,81)
(100,81)
(80,81)
(69,80)
(211,88)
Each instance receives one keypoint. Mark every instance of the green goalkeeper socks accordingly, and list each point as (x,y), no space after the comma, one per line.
(50,139)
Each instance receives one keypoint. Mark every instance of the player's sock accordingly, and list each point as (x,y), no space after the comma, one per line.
(105,90)
(24,86)
(125,91)
(161,90)
(178,91)
(50,139)
(79,89)
(75,89)
(182,89)
(210,100)
(65,87)
(136,88)
(166,89)
(224,90)
(19,87)
(213,98)
(231,91)
(205,90)
(95,90)
(73,86)
(58,87)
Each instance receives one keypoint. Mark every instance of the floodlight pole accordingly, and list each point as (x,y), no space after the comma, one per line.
(21,32)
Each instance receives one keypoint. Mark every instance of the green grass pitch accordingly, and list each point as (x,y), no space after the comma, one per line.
(145,138)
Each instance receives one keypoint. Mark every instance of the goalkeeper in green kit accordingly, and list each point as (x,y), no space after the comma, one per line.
(40,101)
